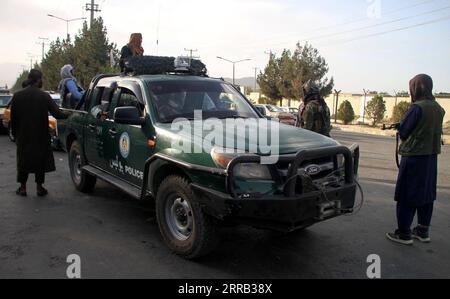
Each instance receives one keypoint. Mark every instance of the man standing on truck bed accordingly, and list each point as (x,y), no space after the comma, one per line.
(316,115)
(29,121)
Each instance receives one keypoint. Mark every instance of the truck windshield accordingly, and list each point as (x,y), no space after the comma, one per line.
(180,99)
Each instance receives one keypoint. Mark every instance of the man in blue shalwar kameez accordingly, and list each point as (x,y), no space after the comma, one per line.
(420,132)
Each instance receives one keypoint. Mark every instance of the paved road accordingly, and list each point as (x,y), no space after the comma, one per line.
(117,237)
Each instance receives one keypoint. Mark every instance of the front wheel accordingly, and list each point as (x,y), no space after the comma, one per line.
(185,228)
(83,181)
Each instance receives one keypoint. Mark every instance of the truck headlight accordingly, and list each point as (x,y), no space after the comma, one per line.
(222,157)
(252,171)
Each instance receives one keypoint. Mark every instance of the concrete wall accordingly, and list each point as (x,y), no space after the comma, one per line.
(357,101)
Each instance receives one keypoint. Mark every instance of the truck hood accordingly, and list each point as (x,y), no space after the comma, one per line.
(291,139)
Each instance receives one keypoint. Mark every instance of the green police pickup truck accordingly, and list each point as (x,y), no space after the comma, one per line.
(142,133)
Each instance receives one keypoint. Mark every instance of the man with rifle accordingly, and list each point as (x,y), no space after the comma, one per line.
(420,133)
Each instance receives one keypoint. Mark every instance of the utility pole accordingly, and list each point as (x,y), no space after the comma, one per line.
(43,43)
(31,57)
(93,8)
(366,92)
(256,79)
(337,104)
(270,53)
(191,52)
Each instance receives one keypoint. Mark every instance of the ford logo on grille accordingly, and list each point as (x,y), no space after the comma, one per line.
(313,169)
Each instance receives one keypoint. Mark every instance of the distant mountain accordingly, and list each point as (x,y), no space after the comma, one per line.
(247,81)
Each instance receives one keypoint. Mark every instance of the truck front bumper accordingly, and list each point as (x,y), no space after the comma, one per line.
(278,213)
(292,209)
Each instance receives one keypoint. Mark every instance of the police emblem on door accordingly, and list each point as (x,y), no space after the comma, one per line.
(124,145)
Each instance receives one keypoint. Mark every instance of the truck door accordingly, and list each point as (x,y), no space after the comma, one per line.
(131,143)
(98,122)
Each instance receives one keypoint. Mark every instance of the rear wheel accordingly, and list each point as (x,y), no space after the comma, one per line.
(83,181)
(185,228)
(10,134)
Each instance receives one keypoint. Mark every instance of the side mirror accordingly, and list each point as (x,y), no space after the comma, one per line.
(128,116)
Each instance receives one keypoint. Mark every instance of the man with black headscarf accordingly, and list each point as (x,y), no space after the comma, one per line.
(29,120)
(314,115)
(421,132)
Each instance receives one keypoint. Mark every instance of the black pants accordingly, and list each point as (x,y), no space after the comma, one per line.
(22,177)
(406,213)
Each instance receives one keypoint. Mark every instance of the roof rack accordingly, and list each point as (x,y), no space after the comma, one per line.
(158,65)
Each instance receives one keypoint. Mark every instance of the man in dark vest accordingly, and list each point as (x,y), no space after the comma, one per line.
(421,132)
(29,120)
(315,115)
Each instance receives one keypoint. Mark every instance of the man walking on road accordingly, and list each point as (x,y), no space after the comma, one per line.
(29,120)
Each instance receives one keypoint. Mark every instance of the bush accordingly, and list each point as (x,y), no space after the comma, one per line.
(376,109)
(346,113)
(400,111)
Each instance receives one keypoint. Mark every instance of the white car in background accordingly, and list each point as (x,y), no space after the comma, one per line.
(276,112)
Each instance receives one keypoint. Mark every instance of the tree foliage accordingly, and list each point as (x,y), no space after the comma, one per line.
(22,77)
(346,113)
(376,109)
(284,77)
(268,81)
(89,54)
(400,111)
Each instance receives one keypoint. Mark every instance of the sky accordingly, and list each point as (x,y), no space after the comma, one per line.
(368,44)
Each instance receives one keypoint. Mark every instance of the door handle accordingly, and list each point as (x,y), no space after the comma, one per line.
(113,132)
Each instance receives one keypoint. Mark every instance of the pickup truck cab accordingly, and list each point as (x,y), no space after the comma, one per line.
(125,135)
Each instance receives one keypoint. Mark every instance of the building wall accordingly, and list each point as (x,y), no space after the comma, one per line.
(357,101)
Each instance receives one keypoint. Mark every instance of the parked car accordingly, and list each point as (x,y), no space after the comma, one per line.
(291,110)
(124,135)
(5,98)
(52,123)
(278,113)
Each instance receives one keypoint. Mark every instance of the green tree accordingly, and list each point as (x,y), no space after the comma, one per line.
(376,109)
(89,53)
(346,113)
(22,77)
(269,81)
(285,76)
(308,64)
(59,54)
(400,111)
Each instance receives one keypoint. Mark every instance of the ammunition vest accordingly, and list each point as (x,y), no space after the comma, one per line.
(425,140)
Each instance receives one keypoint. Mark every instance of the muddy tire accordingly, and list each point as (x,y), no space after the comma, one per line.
(83,181)
(185,228)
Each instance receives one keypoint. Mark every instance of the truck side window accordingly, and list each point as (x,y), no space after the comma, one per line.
(102,104)
(129,99)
